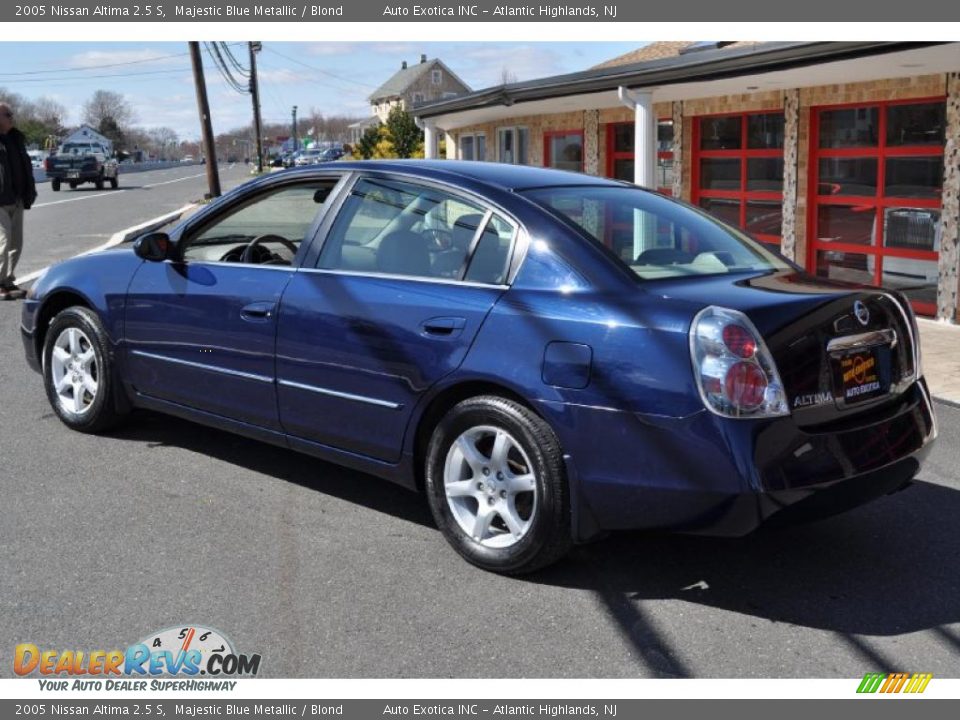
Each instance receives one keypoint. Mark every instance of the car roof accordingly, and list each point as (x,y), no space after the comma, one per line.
(499,175)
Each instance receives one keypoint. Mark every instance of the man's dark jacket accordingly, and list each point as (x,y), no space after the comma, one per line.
(15,163)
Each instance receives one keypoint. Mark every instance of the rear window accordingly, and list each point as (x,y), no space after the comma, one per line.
(653,236)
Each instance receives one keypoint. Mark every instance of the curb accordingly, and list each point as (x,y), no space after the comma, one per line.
(130,233)
(122,236)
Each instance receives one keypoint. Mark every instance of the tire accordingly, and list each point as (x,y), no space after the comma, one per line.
(99,182)
(114,182)
(73,185)
(83,370)
(516,478)
(55,185)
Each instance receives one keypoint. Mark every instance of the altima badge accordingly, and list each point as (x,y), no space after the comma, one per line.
(861,312)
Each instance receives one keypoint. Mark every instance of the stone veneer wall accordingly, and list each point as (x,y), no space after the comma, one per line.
(677,149)
(791,130)
(948,286)
(591,142)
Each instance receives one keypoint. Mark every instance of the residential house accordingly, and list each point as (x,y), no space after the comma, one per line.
(410,87)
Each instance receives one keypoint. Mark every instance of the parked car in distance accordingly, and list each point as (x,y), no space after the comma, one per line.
(465,329)
(331,154)
(187,159)
(36,158)
(308,157)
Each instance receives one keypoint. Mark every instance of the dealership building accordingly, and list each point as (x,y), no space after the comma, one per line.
(843,155)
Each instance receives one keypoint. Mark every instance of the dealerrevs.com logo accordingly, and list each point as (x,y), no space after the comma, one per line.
(894,683)
(177,652)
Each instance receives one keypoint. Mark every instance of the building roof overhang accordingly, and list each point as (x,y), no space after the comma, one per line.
(745,70)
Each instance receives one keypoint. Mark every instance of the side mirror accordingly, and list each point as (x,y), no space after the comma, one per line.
(154,246)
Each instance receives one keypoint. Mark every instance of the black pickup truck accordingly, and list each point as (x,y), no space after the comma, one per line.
(76,163)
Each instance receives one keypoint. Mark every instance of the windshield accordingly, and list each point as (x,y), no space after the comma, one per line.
(654,236)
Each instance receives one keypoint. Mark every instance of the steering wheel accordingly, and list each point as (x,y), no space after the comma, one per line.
(248,251)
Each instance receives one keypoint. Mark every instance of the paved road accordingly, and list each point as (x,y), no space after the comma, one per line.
(63,224)
(331,573)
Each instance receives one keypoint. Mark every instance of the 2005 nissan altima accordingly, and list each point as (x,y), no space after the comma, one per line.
(547,356)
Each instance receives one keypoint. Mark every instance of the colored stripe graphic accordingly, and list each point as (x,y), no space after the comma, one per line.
(894,683)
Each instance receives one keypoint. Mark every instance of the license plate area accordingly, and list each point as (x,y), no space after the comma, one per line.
(861,375)
(73,174)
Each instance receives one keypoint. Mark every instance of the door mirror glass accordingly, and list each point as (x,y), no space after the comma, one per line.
(153,246)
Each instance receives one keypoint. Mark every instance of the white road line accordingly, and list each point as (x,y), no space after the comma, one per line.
(167,182)
(117,238)
(75,199)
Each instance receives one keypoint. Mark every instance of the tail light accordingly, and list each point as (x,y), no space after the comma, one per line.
(47,164)
(734,370)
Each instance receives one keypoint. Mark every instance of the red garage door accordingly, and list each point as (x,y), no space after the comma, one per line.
(737,171)
(876,180)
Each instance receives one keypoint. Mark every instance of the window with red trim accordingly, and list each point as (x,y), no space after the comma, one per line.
(563,150)
(876,179)
(738,171)
(620,153)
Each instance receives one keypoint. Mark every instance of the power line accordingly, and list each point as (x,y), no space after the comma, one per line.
(73,81)
(321,70)
(214,52)
(233,61)
(97,67)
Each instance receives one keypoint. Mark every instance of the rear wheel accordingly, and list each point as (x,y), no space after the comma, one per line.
(55,185)
(99,181)
(496,486)
(114,182)
(73,185)
(78,372)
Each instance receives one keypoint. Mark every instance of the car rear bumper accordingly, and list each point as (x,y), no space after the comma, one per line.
(715,476)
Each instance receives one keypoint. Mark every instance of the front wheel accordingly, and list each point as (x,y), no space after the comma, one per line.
(77,371)
(496,486)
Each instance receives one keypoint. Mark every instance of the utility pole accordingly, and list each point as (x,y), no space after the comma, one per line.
(296,143)
(210,152)
(255,47)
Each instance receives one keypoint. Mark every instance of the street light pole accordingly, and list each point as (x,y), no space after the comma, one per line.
(296,143)
(255,47)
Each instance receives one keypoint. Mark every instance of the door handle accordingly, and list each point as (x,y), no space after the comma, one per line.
(258,311)
(443,326)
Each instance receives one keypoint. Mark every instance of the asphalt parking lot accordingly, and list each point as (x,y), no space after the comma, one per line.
(330,573)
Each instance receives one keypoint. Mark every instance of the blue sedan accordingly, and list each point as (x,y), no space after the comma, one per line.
(547,356)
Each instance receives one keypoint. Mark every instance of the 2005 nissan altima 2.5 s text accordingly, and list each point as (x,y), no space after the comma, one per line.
(547,356)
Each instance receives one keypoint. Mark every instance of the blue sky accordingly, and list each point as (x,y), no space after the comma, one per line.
(333,77)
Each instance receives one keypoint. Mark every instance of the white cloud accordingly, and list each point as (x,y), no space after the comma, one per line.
(330,49)
(281,76)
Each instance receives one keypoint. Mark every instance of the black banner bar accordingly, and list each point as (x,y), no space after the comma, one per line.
(878,709)
(471,11)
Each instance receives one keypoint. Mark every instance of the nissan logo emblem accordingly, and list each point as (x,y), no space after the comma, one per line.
(861,312)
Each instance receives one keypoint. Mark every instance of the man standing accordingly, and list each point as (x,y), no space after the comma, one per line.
(17,193)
